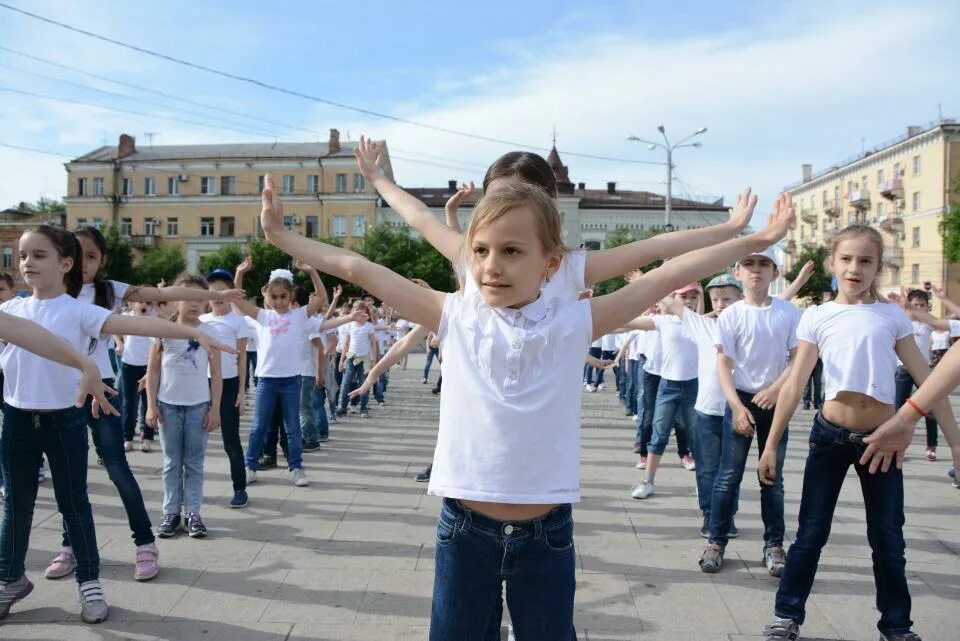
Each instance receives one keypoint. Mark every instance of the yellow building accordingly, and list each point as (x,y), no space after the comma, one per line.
(902,188)
(202,197)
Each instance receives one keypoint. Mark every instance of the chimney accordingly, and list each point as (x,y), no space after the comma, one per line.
(807,172)
(913,130)
(582,186)
(451,186)
(126,146)
(334,144)
(611,188)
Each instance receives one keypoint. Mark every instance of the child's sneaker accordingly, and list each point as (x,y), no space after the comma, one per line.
(128,446)
(169,527)
(299,478)
(781,630)
(931,454)
(424,476)
(267,462)
(239,500)
(13,591)
(642,463)
(251,477)
(93,602)
(62,565)
(688,463)
(642,490)
(601,387)
(147,566)
(953,474)
(712,559)
(325,437)
(146,445)
(195,527)
(364,414)
(311,447)
(774,558)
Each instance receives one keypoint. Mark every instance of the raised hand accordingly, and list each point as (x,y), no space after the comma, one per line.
(304,267)
(245,265)
(367,154)
(742,210)
(271,209)
(780,221)
(807,270)
(337,292)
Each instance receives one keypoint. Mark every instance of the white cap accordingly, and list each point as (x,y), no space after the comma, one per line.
(768,253)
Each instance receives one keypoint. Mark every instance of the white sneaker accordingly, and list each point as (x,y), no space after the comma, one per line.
(128,446)
(688,463)
(42,474)
(601,386)
(299,478)
(642,490)
(642,463)
(251,477)
(591,388)
(146,445)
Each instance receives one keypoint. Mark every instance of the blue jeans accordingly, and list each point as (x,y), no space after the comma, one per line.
(589,370)
(270,392)
(475,554)
(60,435)
(709,438)
(230,432)
(313,410)
(108,436)
(251,368)
(647,385)
(904,387)
(733,459)
(674,404)
(431,354)
(184,442)
(380,387)
(833,449)
(130,398)
(631,392)
(352,378)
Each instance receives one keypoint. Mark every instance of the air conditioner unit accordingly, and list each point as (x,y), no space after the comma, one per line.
(156,221)
(295,220)
(183,177)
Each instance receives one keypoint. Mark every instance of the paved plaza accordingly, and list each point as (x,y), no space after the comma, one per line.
(351,556)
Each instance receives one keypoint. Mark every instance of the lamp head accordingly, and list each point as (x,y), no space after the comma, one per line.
(661,129)
(701,130)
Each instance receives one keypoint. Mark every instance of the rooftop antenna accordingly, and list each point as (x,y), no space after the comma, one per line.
(940,111)
(149,136)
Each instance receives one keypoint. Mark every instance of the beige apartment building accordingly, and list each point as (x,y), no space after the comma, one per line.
(902,187)
(202,197)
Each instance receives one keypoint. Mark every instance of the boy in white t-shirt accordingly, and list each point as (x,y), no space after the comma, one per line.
(756,336)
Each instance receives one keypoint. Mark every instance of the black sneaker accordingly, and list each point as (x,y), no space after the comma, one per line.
(267,462)
(806,406)
(324,438)
(435,390)
(169,527)
(195,527)
(733,532)
(341,412)
(239,500)
(705,528)
(424,476)
(311,447)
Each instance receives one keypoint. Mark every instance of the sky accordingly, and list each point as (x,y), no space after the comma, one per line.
(776,84)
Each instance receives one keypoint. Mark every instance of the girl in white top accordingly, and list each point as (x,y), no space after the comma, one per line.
(859,339)
(40,416)
(185,407)
(514,367)
(358,352)
(134,354)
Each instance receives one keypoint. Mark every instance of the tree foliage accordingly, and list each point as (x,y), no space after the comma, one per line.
(161,263)
(409,257)
(950,228)
(227,257)
(119,257)
(821,279)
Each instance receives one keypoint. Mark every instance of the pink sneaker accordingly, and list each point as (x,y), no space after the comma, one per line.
(147,566)
(688,463)
(62,565)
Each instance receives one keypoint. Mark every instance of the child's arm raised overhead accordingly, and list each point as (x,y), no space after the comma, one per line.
(609,263)
(951,306)
(242,305)
(794,288)
(319,299)
(616,309)
(413,302)
(450,209)
(414,213)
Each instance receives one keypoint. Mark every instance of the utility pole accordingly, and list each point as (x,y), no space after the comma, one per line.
(669,149)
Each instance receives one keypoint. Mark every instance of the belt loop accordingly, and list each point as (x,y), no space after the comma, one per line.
(467,522)
(538,528)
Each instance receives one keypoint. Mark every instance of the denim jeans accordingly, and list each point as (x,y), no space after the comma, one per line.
(60,435)
(184,442)
(709,438)
(130,398)
(475,554)
(904,387)
(630,390)
(813,392)
(313,410)
(675,401)
(230,432)
(352,378)
(432,353)
(733,459)
(251,368)
(833,449)
(646,401)
(108,435)
(270,392)
(380,387)
(593,375)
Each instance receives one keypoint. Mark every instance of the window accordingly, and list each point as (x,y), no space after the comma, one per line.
(81,222)
(916,237)
(173,227)
(836,194)
(341,187)
(313,184)
(359,226)
(897,172)
(98,223)
(894,275)
(150,186)
(339,225)
(825,198)
(916,201)
(82,187)
(173,185)
(126,226)
(228,186)
(880,211)
(149,226)
(288,184)
(291,223)
(358,184)
(127,188)
(208,185)
(261,183)
(227,226)
(313,227)
(803,232)
(206,226)
(916,165)
(7,257)
(849,186)
(915,273)
(863,183)
(98,186)
(879,177)
(851,218)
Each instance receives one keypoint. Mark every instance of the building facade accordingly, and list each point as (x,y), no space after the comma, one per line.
(13,223)
(902,188)
(202,197)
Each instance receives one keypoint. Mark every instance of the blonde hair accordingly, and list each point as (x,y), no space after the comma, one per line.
(494,206)
(856,231)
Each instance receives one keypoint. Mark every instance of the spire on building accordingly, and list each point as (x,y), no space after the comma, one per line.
(560,171)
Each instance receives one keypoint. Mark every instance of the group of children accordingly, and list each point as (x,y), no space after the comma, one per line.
(514,339)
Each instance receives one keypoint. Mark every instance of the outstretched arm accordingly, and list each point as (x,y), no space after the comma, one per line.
(450,209)
(393,356)
(609,263)
(160,328)
(951,306)
(177,293)
(805,273)
(941,324)
(242,305)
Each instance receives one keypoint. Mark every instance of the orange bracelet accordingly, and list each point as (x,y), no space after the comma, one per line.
(916,407)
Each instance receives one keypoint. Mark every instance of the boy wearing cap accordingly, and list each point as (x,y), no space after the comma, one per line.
(756,336)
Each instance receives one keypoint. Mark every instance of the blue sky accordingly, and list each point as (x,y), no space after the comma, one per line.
(778,84)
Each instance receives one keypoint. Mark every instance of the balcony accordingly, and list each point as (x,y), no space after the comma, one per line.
(893,256)
(892,189)
(808,216)
(144,241)
(790,248)
(891,223)
(859,199)
(833,208)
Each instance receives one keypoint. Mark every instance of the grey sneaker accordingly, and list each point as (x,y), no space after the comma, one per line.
(93,603)
(907,636)
(251,477)
(712,559)
(642,490)
(299,478)
(13,591)
(781,630)
(774,558)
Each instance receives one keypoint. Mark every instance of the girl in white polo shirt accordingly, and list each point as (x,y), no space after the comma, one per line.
(859,338)
(508,449)
(358,353)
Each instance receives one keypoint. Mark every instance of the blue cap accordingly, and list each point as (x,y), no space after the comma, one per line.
(220,274)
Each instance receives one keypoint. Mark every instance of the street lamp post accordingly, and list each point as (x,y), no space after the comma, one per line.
(669,148)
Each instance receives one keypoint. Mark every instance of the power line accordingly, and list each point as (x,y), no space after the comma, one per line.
(290,92)
(36,151)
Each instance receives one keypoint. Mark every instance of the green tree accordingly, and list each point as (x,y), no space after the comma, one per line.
(49,206)
(625,236)
(409,257)
(119,257)
(227,257)
(821,279)
(161,263)
(950,228)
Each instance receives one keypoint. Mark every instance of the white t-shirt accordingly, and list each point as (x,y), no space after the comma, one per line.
(34,383)
(401,327)
(566,284)
(702,330)
(608,342)
(856,344)
(228,329)
(921,335)
(940,340)
(101,353)
(183,370)
(279,342)
(342,332)
(384,338)
(309,354)
(251,333)
(654,352)
(678,360)
(136,351)
(510,408)
(758,340)
(359,335)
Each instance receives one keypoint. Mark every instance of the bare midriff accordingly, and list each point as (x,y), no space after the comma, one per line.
(856,411)
(510,511)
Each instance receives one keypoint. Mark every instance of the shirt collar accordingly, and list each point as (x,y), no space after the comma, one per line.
(534,312)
